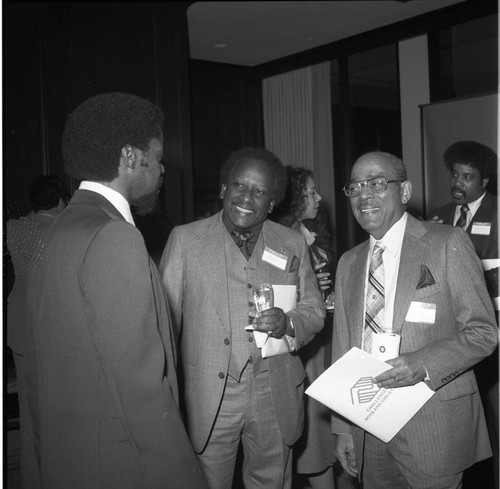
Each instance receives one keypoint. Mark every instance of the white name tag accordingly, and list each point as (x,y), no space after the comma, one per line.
(274,258)
(421,312)
(483,228)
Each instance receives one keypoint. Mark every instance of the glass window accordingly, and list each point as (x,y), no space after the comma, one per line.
(374,100)
(366,117)
(467,57)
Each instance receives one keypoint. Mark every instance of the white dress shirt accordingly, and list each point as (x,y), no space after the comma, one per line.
(392,241)
(473,207)
(115,198)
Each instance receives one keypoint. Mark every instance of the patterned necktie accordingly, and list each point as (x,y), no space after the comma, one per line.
(242,239)
(462,220)
(374,316)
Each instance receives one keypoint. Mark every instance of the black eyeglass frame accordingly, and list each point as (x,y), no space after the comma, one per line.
(366,183)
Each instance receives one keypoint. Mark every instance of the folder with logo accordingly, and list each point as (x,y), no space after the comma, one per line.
(347,388)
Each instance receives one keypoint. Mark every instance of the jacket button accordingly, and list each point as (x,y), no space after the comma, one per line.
(249,286)
(226,341)
(250,304)
(221,375)
(250,339)
(250,359)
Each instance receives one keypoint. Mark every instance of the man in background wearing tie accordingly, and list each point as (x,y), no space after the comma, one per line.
(423,281)
(475,209)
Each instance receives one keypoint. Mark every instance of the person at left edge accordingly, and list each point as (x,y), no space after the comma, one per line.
(231,393)
(102,374)
(48,196)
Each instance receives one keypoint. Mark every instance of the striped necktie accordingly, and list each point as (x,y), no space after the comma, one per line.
(462,220)
(374,315)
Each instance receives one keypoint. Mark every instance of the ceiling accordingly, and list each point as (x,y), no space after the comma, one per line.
(251,33)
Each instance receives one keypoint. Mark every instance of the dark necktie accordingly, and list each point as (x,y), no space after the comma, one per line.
(462,220)
(375,294)
(242,239)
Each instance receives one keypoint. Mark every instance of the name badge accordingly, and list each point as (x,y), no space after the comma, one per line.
(421,312)
(274,258)
(483,228)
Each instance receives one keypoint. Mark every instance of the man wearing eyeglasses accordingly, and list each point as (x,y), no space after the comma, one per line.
(424,282)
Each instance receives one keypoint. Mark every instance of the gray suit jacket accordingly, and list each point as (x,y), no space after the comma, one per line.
(194,271)
(449,433)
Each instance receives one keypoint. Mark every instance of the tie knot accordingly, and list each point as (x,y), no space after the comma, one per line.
(379,247)
(241,236)
(465,208)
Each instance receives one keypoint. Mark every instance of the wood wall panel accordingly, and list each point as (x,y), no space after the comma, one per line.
(58,54)
(23,155)
(227,115)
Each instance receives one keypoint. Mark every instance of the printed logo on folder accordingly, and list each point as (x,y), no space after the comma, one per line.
(363,391)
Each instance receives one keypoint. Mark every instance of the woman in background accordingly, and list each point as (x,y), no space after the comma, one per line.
(301,210)
(48,196)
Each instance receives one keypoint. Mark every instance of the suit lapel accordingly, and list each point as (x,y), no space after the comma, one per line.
(272,238)
(413,254)
(210,251)
(356,288)
(484,212)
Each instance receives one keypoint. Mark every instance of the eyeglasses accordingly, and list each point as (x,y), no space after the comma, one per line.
(375,185)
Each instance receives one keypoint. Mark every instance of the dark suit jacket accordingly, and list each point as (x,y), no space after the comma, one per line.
(195,272)
(448,433)
(102,381)
(486,245)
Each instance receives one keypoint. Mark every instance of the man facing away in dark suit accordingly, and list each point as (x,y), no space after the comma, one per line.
(472,166)
(232,394)
(424,282)
(101,364)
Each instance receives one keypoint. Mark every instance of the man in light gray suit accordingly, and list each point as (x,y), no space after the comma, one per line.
(434,295)
(209,267)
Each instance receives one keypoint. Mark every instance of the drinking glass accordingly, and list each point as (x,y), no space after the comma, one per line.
(263,297)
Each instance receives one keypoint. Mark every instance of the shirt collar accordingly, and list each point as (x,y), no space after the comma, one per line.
(473,206)
(115,198)
(393,239)
(310,238)
(255,230)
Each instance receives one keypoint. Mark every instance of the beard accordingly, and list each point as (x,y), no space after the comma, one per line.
(146,204)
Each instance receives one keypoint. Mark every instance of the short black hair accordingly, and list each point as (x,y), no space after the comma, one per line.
(45,191)
(260,154)
(98,129)
(474,154)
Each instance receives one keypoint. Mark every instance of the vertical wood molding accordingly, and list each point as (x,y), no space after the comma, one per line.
(172,69)
(414,92)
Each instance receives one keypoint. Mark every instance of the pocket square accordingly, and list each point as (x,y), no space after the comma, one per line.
(294,266)
(426,278)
